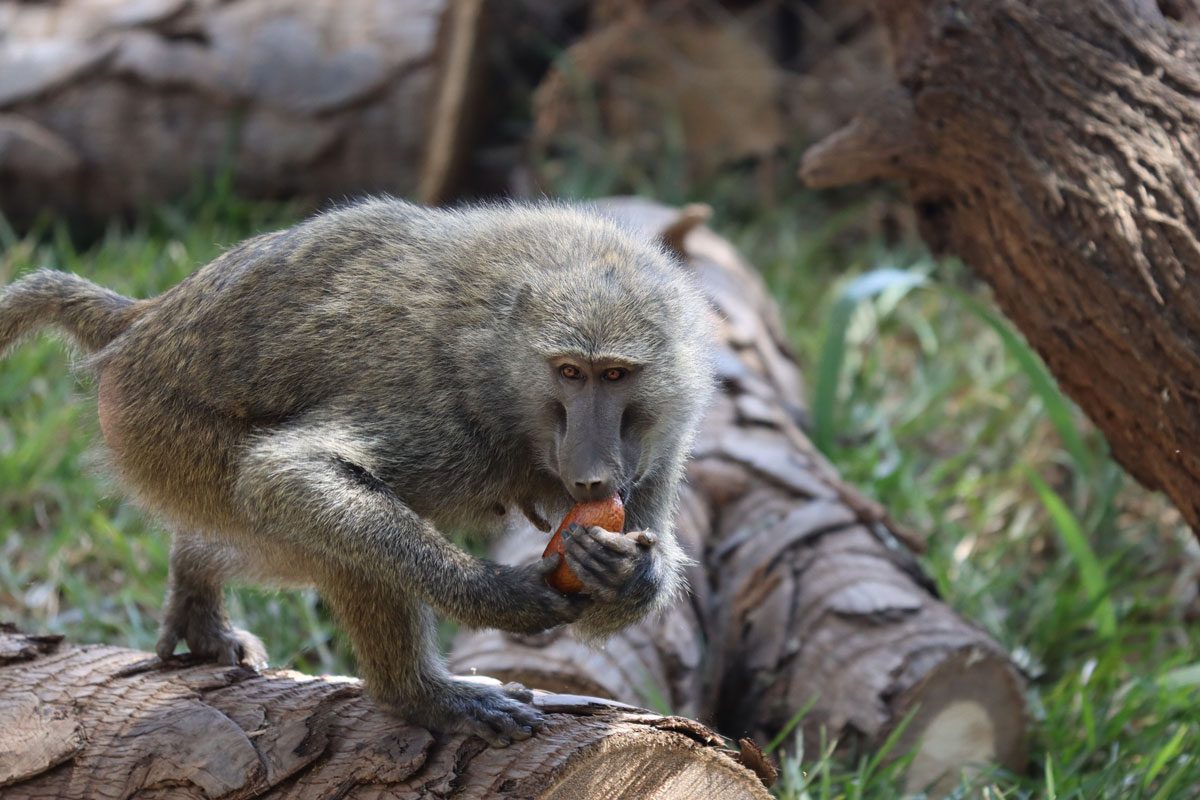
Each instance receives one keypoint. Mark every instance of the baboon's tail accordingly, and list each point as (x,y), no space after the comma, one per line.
(90,314)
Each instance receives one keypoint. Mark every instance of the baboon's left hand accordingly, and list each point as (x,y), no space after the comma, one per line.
(614,568)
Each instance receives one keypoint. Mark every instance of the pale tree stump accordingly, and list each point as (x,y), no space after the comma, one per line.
(804,592)
(1055,146)
(110,107)
(81,723)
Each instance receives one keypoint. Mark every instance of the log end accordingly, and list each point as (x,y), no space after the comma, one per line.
(670,766)
(967,714)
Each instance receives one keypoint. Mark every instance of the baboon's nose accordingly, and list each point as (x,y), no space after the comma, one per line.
(593,488)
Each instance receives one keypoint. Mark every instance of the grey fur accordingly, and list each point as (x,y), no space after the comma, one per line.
(92,315)
(315,404)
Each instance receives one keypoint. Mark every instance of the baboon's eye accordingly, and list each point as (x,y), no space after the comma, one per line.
(615,373)
(570,372)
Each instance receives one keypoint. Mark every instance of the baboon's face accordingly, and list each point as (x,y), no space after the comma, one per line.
(596,444)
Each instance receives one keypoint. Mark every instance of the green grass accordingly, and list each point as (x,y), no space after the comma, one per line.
(936,407)
(921,395)
(75,558)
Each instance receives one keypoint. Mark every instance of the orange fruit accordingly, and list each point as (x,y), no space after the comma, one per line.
(608,513)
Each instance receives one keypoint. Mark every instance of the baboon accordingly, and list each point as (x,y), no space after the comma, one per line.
(317,404)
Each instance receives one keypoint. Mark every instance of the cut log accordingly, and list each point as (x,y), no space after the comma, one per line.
(1055,147)
(716,83)
(110,107)
(805,594)
(661,87)
(78,723)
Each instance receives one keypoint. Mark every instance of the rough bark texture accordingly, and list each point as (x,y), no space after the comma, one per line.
(108,107)
(804,592)
(1055,147)
(83,723)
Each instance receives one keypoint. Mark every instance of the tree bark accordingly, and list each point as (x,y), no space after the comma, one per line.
(79,723)
(804,594)
(1056,148)
(106,108)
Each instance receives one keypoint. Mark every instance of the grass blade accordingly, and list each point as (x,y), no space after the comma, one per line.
(791,724)
(1058,408)
(1091,572)
(1181,677)
(833,349)
(1165,754)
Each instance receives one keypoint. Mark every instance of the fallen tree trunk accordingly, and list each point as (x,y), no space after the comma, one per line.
(1056,148)
(805,594)
(107,108)
(708,84)
(89,722)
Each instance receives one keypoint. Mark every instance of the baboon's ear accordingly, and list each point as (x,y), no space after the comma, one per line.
(673,235)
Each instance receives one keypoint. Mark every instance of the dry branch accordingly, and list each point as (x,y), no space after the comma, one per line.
(805,591)
(1056,148)
(109,107)
(81,723)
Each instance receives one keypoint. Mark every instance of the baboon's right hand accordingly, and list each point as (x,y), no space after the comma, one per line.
(532,606)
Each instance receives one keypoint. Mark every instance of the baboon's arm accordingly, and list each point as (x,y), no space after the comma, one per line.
(312,488)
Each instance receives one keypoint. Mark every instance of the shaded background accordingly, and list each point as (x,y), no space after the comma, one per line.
(137,139)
